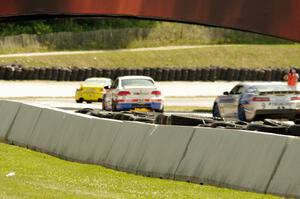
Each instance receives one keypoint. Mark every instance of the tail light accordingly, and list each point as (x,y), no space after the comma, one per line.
(260,99)
(295,98)
(123,93)
(156,93)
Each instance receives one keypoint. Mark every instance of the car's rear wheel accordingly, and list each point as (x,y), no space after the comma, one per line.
(80,100)
(103,106)
(159,110)
(114,106)
(241,113)
(216,111)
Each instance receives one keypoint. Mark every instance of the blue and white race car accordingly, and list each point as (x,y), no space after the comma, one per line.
(133,92)
(254,101)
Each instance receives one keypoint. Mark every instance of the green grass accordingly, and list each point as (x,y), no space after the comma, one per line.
(42,176)
(235,56)
(188,109)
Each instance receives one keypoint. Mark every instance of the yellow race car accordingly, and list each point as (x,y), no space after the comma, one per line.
(92,90)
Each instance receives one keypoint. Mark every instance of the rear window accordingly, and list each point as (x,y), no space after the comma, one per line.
(137,82)
(268,88)
(98,81)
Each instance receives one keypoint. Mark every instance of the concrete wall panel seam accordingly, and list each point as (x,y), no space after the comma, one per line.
(287,143)
(11,125)
(185,152)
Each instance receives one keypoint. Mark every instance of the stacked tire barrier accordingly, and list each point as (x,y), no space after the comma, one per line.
(246,160)
(212,73)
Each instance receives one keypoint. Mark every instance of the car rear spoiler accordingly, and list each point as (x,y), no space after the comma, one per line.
(279,92)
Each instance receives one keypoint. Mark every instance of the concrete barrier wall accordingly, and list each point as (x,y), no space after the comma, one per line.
(286,180)
(163,150)
(8,113)
(73,131)
(127,149)
(231,158)
(244,160)
(24,123)
(47,132)
(97,142)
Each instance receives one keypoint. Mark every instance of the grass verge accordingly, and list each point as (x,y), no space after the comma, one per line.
(218,55)
(42,176)
(188,109)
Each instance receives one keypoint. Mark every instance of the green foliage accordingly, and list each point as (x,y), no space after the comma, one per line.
(70,25)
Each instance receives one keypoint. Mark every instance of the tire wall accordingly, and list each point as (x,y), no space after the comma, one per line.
(245,160)
(211,73)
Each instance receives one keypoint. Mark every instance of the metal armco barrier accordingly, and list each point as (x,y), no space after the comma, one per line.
(251,161)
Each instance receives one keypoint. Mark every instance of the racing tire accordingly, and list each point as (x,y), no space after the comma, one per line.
(113,106)
(223,124)
(271,122)
(282,130)
(103,103)
(216,111)
(103,106)
(84,110)
(185,120)
(241,113)
(294,130)
(144,119)
(79,101)
(159,110)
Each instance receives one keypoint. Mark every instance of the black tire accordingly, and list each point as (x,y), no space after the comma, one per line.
(230,74)
(114,106)
(153,73)
(178,74)
(192,75)
(271,122)
(267,75)
(103,103)
(282,130)
(198,74)
(294,130)
(79,101)
(158,74)
(146,72)
(222,124)
(241,113)
(159,110)
(212,74)
(84,110)
(103,106)
(182,120)
(215,110)
(171,74)
(184,74)
(165,74)
(144,119)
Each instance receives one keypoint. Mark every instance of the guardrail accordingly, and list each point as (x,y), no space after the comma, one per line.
(210,73)
(245,160)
